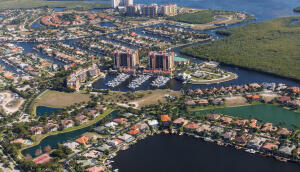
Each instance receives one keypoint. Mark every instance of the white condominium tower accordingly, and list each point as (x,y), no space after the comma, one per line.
(116,3)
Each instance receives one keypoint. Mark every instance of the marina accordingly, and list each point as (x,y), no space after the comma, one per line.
(138,81)
(160,81)
(118,80)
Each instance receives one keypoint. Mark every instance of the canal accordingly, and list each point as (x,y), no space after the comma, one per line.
(175,153)
(53,140)
(265,112)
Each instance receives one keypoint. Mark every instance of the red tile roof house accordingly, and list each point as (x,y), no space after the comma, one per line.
(95,169)
(179,122)
(213,117)
(254,97)
(67,123)
(36,130)
(120,120)
(284,99)
(191,126)
(268,127)
(294,103)
(165,120)
(240,122)
(93,113)
(269,147)
(202,102)
(242,139)
(81,118)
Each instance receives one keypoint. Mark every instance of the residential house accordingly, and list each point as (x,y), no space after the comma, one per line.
(179,122)
(284,99)
(88,162)
(213,117)
(96,168)
(203,129)
(81,118)
(242,139)
(254,97)
(227,136)
(287,150)
(190,103)
(67,123)
(104,147)
(134,130)
(283,132)
(111,125)
(253,124)
(202,102)
(115,142)
(143,127)
(191,126)
(294,103)
(268,127)
(165,120)
(82,139)
(71,145)
(218,101)
(52,127)
(120,120)
(93,154)
(93,113)
(225,119)
(153,124)
(101,107)
(217,130)
(255,143)
(126,138)
(100,129)
(240,122)
(37,130)
(269,147)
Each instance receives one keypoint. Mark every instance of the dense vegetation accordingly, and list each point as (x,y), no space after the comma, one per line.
(24,4)
(297,9)
(271,47)
(200,17)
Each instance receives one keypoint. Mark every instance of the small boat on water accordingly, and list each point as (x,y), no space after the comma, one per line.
(250,150)
(237,147)
(207,139)
(181,133)
(196,137)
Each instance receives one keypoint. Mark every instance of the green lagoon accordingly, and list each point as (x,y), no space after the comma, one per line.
(265,112)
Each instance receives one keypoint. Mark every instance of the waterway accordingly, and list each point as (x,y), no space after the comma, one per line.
(36,24)
(265,112)
(53,140)
(41,110)
(175,153)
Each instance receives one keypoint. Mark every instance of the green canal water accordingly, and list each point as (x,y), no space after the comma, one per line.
(41,110)
(53,140)
(265,112)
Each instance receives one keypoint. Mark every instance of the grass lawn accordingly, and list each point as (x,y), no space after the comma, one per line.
(58,99)
(88,123)
(24,4)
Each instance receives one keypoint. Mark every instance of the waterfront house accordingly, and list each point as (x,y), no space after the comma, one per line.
(190,103)
(67,123)
(203,129)
(93,113)
(120,120)
(111,125)
(242,139)
(254,97)
(82,139)
(287,149)
(217,130)
(52,127)
(81,118)
(284,99)
(96,168)
(268,127)
(269,86)
(213,117)
(115,142)
(295,89)
(179,122)
(165,120)
(104,147)
(153,124)
(191,126)
(227,136)
(255,143)
(283,132)
(126,137)
(84,163)
(218,101)
(202,102)
(254,85)
(101,107)
(294,103)
(143,127)
(269,147)
(240,122)
(225,119)
(100,129)
(134,130)
(36,130)
(71,145)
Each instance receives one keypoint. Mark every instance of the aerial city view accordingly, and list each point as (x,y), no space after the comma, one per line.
(149,86)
